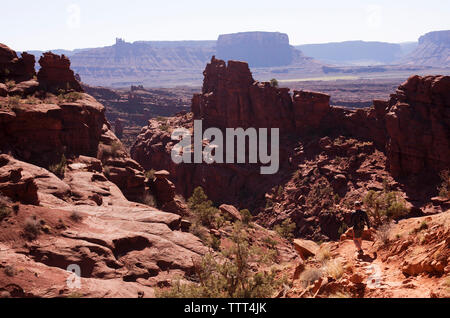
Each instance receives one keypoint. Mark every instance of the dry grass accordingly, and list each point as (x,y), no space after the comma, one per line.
(32,228)
(324,254)
(309,276)
(334,269)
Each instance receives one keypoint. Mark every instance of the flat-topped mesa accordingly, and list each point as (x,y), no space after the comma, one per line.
(231,98)
(55,73)
(15,68)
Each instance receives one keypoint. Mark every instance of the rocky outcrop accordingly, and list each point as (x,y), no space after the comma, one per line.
(15,68)
(55,73)
(41,133)
(123,249)
(418,126)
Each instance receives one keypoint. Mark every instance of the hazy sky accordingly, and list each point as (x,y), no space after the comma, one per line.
(69,24)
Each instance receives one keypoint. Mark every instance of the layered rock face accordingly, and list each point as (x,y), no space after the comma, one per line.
(232,98)
(418,126)
(55,73)
(41,127)
(433,50)
(15,68)
(259,49)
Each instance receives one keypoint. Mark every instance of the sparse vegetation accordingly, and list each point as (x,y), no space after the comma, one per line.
(340,294)
(32,228)
(274,82)
(76,216)
(10,271)
(334,269)
(13,101)
(423,226)
(383,233)
(230,277)
(116,148)
(444,189)
(309,276)
(59,169)
(150,174)
(149,200)
(203,209)
(286,229)
(10,84)
(324,253)
(4,212)
(383,206)
(68,97)
(246,216)
(270,241)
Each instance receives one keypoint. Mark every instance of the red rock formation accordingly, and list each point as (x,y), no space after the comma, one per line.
(418,126)
(55,73)
(14,68)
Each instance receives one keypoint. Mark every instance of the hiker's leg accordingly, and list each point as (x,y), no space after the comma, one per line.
(357,242)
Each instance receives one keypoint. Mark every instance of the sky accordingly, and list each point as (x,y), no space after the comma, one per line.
(70,24)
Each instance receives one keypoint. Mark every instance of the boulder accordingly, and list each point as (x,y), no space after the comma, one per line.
(231,212)
(305,248)
(15,68)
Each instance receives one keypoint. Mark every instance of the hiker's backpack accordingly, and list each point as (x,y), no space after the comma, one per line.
(358,219)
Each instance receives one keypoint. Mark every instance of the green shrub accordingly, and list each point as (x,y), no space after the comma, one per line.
(4,212)
(309,276)
(385,205)
(229,277)
(150,174)
(444,189)
(274,82)
(59,169)
(203,209)
(149,200)
(246,216)
(76,216)
(10,271)
(32,229)
(286,229)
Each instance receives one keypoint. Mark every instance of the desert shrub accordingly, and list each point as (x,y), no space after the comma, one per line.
(13,101)
(286,229)
(16,208)
(116,148)
(271,242)
(214,242)
(149,200)
(274,82)
(334,269)
(309,276)
(383,233)
(340,294)
(203,209)
(323,254)
(10,84)
(164,126)
(200,231)
(59,169)
(72,97)
(76,216)
(161,119)
(150,174)
(444,189)
(384,205)
(32,228)
(10,271)
(229,277)
(246,216)
(423,226)
(4,212)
